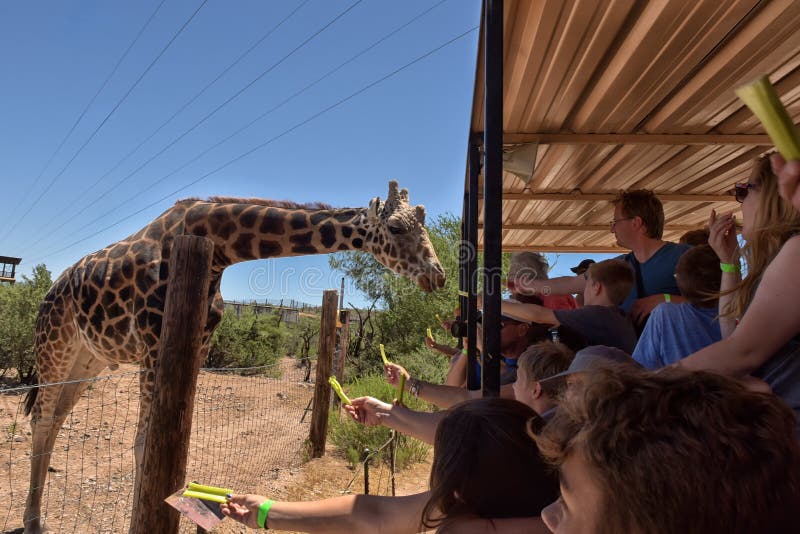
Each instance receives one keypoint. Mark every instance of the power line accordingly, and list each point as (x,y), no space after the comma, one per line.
(268,141)
(259,117)
(85,109)
(99,126)
(45,232)
(231,98)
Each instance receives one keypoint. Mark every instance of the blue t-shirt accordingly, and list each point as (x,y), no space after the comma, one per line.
(675,331)
(658,273)
(508,371)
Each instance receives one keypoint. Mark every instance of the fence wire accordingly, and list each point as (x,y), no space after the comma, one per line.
(246,428)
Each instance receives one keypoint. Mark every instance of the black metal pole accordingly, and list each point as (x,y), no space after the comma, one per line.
(470,259)
(492,196)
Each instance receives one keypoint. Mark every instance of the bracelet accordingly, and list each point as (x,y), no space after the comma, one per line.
(729,267)
(667,297)
(263,512)
(414,386)
(464,352)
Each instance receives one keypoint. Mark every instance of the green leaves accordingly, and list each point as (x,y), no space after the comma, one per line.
(19,306)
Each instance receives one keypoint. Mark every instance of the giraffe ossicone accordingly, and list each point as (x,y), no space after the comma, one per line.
(107,308)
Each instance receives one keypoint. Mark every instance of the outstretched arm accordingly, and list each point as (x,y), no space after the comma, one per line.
(562,285)
(529,312)
(438,394)
(350,514)
(372,412)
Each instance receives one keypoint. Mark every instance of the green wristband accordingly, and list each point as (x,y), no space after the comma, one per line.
(729,267)
(263,512)
(667,297)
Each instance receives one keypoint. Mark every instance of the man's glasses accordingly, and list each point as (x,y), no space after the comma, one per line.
(741,190)
(615,221)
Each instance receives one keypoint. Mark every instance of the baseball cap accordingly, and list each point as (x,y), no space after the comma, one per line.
(582,266)
(595,357)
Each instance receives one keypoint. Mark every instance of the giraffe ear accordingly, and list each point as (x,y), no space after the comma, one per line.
(374,209)
(419,211)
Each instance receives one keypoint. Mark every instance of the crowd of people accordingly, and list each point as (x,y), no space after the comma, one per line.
(667,403)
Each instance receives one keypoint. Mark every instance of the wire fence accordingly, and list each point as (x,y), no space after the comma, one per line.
(248,426)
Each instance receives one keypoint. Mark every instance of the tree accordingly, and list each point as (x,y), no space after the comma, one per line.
(407,311)
(249,340)
(19,307)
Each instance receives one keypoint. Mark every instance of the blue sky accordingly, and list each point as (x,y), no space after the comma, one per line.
(411,126)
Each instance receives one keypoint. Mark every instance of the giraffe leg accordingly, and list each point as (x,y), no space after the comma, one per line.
(146,384)
(53,405)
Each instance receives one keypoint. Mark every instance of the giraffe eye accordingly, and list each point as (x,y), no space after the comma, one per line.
(396,230)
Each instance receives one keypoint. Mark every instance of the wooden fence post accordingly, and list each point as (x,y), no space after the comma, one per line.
(322,390)
(344,340)
(170,423)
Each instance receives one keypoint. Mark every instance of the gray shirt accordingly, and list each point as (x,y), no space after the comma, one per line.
(600,325)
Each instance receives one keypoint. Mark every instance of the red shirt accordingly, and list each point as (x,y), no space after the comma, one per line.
(559,302)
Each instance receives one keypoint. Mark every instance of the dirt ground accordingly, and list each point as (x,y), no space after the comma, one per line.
(248,434)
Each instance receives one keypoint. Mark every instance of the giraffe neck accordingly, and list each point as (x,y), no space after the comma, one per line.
(243,232)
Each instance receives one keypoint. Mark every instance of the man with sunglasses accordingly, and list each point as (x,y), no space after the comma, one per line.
(638,225)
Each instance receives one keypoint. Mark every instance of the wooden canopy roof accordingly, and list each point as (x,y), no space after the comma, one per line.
(625,94)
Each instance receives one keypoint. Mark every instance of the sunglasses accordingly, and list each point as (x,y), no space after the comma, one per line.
(740,190)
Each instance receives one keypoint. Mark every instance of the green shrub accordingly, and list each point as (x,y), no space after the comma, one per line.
(352,438)
(248,340)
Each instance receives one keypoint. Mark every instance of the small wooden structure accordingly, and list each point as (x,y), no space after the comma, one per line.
(8,268)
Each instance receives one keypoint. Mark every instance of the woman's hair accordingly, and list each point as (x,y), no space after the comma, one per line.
(676,451)
(775,221)
(698,276)
(485,464)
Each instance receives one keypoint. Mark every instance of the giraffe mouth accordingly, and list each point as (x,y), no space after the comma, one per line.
(424,283)
(429,286)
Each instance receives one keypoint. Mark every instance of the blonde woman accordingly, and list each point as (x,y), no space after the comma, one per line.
(765,341)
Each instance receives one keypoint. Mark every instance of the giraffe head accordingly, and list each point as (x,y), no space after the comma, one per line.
(398,239)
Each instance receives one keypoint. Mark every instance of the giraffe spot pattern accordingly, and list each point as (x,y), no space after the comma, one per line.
(327,234)
(273,223)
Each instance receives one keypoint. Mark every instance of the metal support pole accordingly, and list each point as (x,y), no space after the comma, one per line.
(470,259)
(493,196)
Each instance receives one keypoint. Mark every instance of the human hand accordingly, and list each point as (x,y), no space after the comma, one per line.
(754,384)
(430,343)
(393,372)
(722,236)
(243,508)
(369,411)
(788,174)
(642,307)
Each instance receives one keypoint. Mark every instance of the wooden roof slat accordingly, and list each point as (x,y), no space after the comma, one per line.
(632,94)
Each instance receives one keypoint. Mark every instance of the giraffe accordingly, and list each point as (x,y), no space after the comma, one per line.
(107,308)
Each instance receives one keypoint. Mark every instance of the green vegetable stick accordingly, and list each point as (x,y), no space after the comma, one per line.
(193,486)
(401,387)
(383,354)
(338,389)
(205,496)
(762,100)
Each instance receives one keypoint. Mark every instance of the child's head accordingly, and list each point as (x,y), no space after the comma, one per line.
(672,451)
(698,276)
(540,361)
(614,278)
(485,464)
